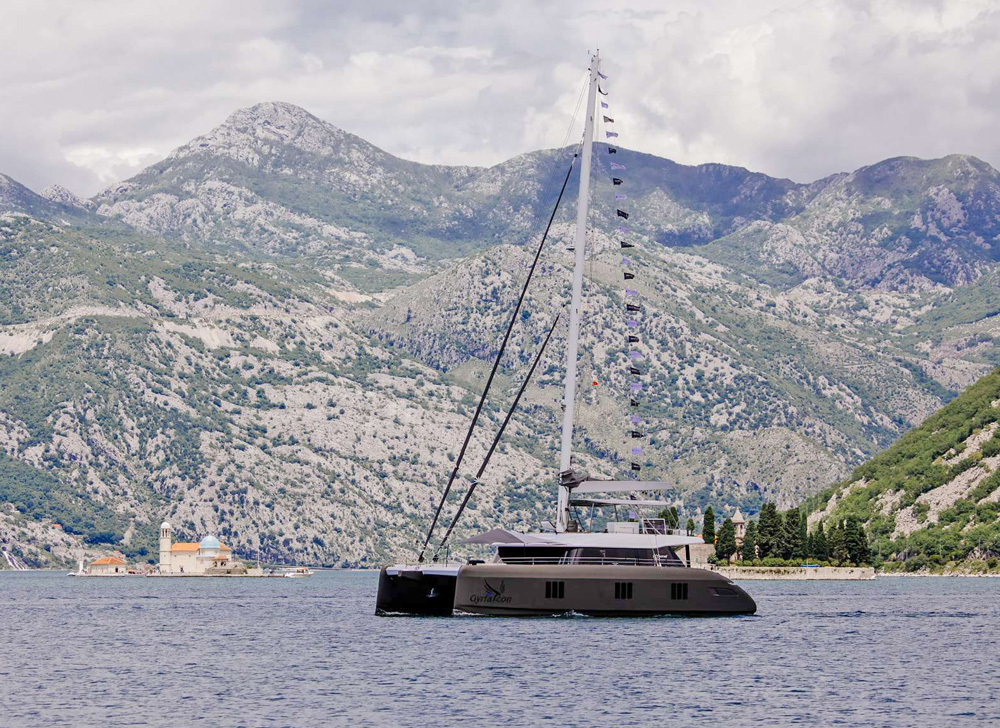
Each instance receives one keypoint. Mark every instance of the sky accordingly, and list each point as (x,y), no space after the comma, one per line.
(90,93)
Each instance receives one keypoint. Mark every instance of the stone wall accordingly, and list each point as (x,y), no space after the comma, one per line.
(800,573)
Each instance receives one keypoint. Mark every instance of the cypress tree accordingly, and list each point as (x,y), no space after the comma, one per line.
(837,544)
(768,531)
(820,550)
(790,547)
(671,517)
(748,549)
(803,535)
(726,546)
(690,527)
(708,526)
(855,542)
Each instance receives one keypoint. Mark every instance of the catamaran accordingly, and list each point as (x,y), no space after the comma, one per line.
(631,568)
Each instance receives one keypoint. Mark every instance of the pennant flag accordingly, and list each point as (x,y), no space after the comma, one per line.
(633,403)
(631,307)
(636,434)
(615,165)
(637,451)
(621,196)
(630,292)
(601,91)
(635,467)
(604,105)
(594,382)
(615,181)
(626,245)
(634,370)
(632,324)
(602,75)
(612,150)
(622,213)
(628,276)
(626,261)
(608,120)
(633,339)
(611,135)
(623,229)
(635,419)
(636,386)
(634,355)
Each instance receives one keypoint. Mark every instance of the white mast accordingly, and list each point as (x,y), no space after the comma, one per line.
(580,243)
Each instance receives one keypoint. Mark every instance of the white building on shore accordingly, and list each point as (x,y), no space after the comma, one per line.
(107,566)
(206,557)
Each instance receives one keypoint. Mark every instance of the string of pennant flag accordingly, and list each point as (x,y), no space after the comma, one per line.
(633,309)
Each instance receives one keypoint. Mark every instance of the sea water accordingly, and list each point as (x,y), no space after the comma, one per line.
(310,652)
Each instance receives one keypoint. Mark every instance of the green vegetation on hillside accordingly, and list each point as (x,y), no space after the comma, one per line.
(957,523)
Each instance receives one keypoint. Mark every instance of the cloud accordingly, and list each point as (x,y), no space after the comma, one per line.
(800,89)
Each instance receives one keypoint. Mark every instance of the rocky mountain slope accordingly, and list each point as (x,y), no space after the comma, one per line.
(15,198)
(143,381)
(276,334)
(932,500)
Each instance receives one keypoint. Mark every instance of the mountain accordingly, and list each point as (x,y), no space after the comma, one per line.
(275,180)
(904,224)
(62,196)
(932,500)
(277,334)
(145,381)
(15,198)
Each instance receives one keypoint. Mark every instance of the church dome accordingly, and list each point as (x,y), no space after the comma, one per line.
(209,542)
(164,526)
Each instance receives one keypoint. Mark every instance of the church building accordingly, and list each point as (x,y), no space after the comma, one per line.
(205,558)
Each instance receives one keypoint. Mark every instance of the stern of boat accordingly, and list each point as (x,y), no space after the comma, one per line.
(416,590)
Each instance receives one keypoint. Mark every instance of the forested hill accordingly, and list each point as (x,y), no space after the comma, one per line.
(932,500)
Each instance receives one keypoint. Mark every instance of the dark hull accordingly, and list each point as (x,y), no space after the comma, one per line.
(607,591)
(415,592)
(526,591)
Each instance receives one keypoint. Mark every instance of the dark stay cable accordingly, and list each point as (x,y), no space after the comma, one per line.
(496,364)
(496,440)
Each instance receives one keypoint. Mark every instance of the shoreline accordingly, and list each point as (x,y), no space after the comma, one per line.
(796,573)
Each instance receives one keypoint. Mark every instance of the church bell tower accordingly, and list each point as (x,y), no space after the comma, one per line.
(165,539)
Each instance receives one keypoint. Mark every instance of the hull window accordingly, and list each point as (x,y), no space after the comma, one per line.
(679,590)
(623,590)
(555,589)
(723,591)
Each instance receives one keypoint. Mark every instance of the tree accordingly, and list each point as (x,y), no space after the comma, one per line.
(748,549)
(690,527)
(708,526)
(818,548)
(791,546)
(837,544)
(803,534)
(726,545)
(768,531)
(672,517)
(855,541)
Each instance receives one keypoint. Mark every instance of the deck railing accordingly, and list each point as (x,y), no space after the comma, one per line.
(585,561)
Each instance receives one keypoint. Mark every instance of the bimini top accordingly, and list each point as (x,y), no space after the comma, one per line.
(503,537)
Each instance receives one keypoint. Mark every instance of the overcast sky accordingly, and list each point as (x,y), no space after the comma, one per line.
(92,92)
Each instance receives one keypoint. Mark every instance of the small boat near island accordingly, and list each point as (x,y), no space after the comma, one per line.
(632,568)
(296,572)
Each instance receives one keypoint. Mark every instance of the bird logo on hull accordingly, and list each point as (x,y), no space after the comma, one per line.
(493,595)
